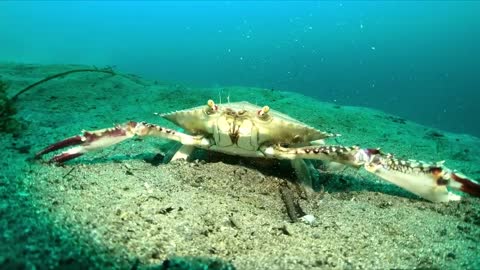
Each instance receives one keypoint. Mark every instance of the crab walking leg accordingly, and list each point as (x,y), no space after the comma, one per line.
(103,138)
(427,180)
(183,153)
(305,171)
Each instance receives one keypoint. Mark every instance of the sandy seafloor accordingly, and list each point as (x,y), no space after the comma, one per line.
(122,208)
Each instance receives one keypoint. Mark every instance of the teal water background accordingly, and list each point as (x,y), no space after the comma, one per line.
(418,60)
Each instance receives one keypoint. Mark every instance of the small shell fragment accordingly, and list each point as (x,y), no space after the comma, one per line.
(308,219)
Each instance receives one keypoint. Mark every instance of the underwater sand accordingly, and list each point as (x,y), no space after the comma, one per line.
(122,208)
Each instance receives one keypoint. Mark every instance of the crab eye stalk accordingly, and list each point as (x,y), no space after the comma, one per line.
(210,103)
(211,107)
(263,113)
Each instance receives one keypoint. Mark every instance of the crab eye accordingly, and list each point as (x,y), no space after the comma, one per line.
(211,107)
(263,113)
(242,112)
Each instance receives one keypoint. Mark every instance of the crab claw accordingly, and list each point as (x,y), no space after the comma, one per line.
(75,140)
(427,180)
(463,183)
(89,141)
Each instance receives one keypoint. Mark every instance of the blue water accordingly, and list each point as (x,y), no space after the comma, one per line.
(418,60)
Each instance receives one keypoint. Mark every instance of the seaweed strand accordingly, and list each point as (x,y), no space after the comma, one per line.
(105,70)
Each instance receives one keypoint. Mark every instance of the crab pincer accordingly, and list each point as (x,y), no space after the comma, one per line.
(429,180)
(465,184)
(88,141)
(76,140)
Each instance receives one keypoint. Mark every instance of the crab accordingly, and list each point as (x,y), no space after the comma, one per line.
(246,130)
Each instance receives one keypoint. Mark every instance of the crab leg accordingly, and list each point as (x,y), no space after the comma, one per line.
(103,138)
(427,180)
(352,156)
